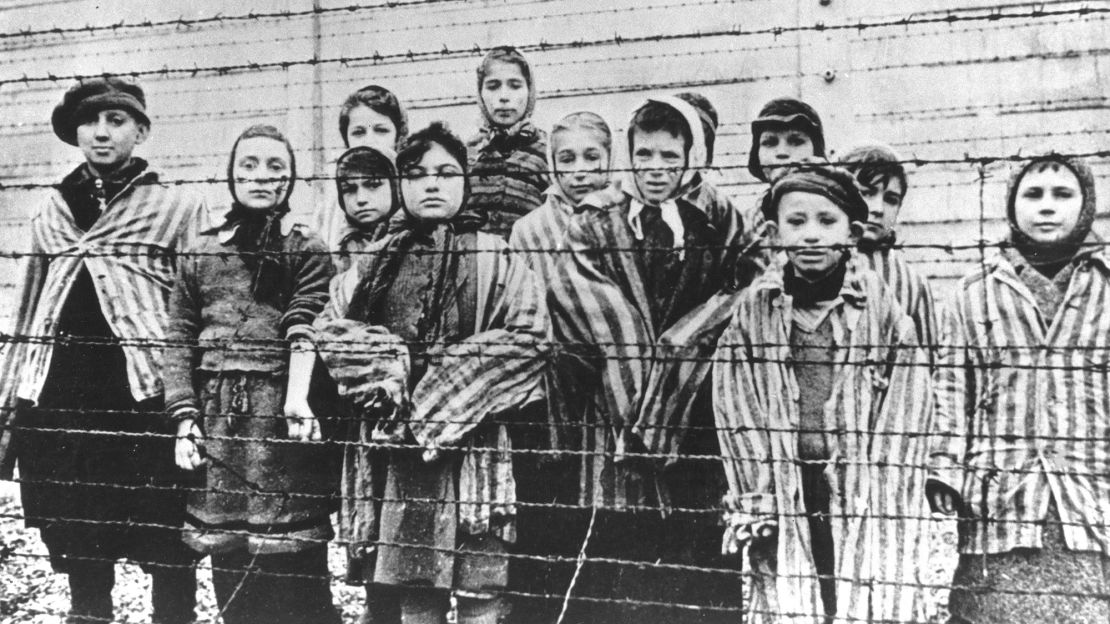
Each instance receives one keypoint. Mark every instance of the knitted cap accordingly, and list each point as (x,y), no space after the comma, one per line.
(785,113)
(832,183)
(91,96)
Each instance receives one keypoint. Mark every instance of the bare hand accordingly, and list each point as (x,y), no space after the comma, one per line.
(187,448)
(301,421)
(942,501)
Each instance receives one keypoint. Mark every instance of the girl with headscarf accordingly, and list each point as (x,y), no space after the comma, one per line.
(366,184)
(431,338)
(371,117)
(822,400)
(508,157)
(238,385)
(1022,411)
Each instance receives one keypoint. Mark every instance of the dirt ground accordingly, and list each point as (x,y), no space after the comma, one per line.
(30,593)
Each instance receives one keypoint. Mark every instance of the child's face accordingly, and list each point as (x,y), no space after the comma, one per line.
(261,170)
(581,162)
(108,138)
(783,146)
(366,199)
(1048,203)
(884,202)
(367,127)
(505,93)
(433,188)
(815,232)
(658,160)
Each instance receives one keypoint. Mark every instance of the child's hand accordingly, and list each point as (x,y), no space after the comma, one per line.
(301,421)
(942,498)
(187,449)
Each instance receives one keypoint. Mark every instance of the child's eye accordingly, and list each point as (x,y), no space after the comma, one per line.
(347,189)
(373,184)
(892,199)
(493,85)
(642,154)
(1034,192)
(795,221)
(828,220)
(868,191)
(358,132)
(382,130)
(768,141)
(797,140)
(1063,193)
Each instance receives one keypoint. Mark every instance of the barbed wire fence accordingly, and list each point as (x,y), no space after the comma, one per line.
(870,71)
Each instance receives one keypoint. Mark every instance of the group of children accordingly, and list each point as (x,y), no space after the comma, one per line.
(543,389)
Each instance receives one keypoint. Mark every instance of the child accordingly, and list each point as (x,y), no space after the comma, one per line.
(366,184)
(93,451)
(430,338)
(636,267)
(787,131)
(508,158)
(249,288)
(581,148)
(817,387)
(370,117)
(1021,402)
(883,180)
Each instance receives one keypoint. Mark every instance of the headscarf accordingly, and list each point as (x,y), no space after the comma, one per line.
(257,233)
(832,183)
(1040,254)
(366,162)
(523,131)
(789,113)
(695,162)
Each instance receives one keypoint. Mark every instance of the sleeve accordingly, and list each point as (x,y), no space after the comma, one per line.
(953,389)
(181,341)
(494,370)
(741,412)
(312,273)
(14,347)
(925,319)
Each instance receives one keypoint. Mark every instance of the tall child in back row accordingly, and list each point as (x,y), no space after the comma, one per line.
(508,158)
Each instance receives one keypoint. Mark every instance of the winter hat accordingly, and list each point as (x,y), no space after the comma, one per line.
(832,183)
(91,96)
(379,100)
(789,113)
(1039,253)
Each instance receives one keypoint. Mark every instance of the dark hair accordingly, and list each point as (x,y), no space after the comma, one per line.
(709,119)
(379,100)
(269,132)
(437,133)
(874,165)
(657,116)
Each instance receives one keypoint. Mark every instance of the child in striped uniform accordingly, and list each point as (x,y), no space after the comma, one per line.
(581,148)
(882,179)
(818,388)
(1022,393)
(508,157)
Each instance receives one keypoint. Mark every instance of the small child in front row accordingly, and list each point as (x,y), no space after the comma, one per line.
(1021,391)
(817,383)
(246,296)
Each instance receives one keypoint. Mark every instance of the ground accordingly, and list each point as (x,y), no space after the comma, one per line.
(30,593)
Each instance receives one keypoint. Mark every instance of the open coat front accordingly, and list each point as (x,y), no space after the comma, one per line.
(881,406)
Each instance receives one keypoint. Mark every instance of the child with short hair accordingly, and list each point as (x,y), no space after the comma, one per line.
(637,265)
(373,117)
(241,319)
(431,339)
(508,158)
(882,177)
(366,184)
(1021,403)
(786,132)
(822,400)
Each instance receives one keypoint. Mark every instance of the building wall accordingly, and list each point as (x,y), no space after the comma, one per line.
(935,78)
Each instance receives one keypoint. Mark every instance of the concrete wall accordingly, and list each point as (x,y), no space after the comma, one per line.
(969,86)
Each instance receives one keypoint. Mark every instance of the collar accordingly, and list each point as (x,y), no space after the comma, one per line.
(671,217)
(225,231)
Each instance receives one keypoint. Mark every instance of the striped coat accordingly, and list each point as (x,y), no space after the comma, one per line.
(881,402)
(130,252)
(911,290)
(496,369)
(1023,402)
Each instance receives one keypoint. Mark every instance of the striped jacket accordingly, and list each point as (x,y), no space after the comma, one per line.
(911,290)
(881,402)
(1023,404)
(497,368)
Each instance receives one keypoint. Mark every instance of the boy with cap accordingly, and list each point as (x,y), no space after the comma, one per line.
(816,385)
(95,455)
